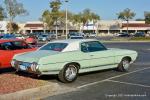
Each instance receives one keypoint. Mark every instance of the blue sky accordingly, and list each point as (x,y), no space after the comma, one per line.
(107,9)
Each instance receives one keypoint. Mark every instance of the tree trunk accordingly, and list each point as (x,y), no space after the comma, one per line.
(127,26)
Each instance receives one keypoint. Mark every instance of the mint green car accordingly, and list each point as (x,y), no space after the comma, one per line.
(67,58)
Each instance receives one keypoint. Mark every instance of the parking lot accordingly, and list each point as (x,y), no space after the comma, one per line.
(113,85)
(109,84)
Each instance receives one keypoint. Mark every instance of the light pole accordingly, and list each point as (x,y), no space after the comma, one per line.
(66,20)
(56,30)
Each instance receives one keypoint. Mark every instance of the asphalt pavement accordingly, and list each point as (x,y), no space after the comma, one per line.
(110,84)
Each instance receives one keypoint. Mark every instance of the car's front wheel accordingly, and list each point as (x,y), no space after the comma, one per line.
(69,73)
(124,65)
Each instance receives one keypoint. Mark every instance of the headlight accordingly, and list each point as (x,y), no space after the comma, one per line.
(34,66)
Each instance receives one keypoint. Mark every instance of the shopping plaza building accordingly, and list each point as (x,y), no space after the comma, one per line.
(102,27)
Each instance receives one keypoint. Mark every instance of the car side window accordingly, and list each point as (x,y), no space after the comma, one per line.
(84,47)
(92,46)
(95,46)
(6,46)
(20,45)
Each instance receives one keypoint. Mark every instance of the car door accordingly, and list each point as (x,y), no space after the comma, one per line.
(99,54)
(84,57)
(6,54)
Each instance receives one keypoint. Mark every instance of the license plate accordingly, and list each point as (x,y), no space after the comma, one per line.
(22,67)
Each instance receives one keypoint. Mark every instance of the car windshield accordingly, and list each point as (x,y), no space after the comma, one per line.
(54,46)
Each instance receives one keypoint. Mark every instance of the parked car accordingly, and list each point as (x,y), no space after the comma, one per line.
(92,35)
(31,40)
(123,34)
(52,35)
(1,36)
(75,35)
(67,58)
(19,36)
(8,48)
(139,34)
(43,37)
(8,36)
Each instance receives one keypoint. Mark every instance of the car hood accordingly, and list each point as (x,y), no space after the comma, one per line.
(34,56)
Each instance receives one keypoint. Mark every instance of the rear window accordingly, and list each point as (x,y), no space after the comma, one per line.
(54,46)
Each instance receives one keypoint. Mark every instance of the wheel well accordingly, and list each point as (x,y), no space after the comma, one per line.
(127,57)
(75,63)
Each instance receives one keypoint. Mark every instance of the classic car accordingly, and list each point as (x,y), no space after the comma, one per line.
(8,48)
(68,58)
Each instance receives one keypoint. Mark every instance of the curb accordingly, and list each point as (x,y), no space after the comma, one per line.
(31,94)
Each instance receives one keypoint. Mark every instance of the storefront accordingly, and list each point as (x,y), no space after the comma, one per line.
(136,26)
(33,27)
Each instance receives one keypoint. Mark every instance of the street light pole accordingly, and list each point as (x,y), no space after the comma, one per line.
(56,28)
(66,20)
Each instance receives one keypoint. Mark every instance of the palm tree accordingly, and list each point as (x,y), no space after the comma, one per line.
(95,18)
(55,6)
(126,15)
(86,16)
(77,20)
(147,17)
(46,18)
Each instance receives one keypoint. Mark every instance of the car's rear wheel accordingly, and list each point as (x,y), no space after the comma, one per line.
(69,73)
(124,65)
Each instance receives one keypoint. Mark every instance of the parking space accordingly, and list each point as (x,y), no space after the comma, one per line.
(136,78)
(134,85)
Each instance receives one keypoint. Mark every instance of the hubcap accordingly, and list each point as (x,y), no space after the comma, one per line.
(126,64)
(71,72)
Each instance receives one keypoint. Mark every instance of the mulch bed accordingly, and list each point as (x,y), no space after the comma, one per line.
(11,83)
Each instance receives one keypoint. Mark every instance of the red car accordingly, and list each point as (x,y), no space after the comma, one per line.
(31,40)
(8,48)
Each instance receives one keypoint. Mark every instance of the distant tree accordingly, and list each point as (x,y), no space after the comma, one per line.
(47,18)
(14,9)
(147,17)
(14,26)
(95,18)
(126,15)
(77,20)
(140,19)
(63,15)
(55,6)
(87,15)
(2,14)
(55,13)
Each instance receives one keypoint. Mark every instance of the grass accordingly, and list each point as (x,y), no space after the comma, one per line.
(131,39)
(140,38)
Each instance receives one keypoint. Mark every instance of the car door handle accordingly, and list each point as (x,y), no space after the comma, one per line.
(91,55)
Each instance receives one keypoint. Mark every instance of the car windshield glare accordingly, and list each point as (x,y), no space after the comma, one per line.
(54,46)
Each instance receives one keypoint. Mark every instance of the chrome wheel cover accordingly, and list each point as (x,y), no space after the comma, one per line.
(71,72)
(125,64)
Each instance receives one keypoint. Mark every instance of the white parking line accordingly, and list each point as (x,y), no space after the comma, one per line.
(93,83)
(141,85)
